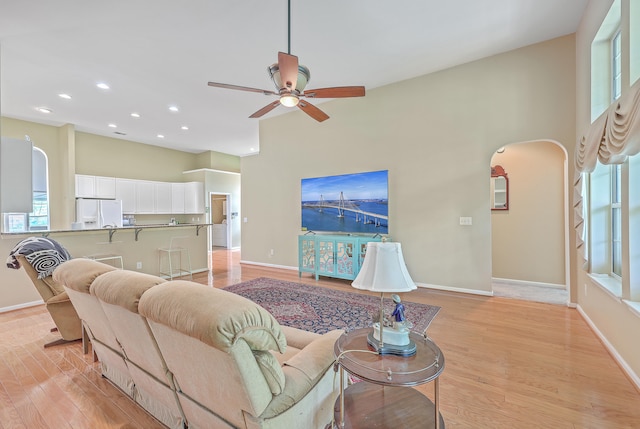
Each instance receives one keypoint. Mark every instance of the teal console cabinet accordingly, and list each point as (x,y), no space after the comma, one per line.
(338,256)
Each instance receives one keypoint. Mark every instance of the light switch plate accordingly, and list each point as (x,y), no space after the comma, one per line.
(465,220)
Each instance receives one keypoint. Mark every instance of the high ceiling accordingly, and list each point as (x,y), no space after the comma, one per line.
(160,53)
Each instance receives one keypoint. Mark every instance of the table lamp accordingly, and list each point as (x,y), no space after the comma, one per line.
(383,270)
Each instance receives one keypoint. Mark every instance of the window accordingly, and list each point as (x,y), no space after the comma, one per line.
(634,41)
(606,62)
(616,220)
(38,219)
(616,66)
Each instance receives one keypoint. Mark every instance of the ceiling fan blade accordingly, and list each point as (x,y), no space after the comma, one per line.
(312,111)
(241,88)
(336,92)
(266,109)
(288,66)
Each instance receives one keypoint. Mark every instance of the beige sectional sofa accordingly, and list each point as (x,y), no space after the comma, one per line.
(199,357)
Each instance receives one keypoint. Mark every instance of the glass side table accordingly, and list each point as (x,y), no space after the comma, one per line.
(382,399)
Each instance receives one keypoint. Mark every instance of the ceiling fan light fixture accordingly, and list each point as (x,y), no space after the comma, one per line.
(289,100)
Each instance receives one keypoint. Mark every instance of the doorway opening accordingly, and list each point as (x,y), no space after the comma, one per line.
(530,236)
(219,211)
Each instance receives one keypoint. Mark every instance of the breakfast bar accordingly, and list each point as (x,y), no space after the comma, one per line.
(137,245)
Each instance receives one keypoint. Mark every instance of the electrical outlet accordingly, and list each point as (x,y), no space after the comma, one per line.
(271,253)
(138,265)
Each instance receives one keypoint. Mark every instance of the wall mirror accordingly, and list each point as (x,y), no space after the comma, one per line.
(499,188)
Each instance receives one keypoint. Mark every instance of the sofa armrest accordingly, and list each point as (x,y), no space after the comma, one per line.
(298,338)
(314,359)
(303,371)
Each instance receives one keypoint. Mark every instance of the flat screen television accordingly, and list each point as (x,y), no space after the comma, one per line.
(350,203)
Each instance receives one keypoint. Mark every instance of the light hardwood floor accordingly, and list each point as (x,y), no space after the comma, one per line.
(509,364)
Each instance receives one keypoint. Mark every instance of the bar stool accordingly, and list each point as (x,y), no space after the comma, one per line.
(109,258)
(173,257)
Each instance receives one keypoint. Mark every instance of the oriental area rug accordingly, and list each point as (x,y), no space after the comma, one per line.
(319,309)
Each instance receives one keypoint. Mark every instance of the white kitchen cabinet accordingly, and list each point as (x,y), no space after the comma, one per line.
(163,198)
(177,198)
(145,197)
(126,191)
(194,198)
(85,186)
(95,186)
(105,187)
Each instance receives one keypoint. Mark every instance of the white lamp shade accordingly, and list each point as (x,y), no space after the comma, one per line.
(383,269)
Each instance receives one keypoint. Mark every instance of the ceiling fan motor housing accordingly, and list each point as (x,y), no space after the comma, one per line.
(303,77)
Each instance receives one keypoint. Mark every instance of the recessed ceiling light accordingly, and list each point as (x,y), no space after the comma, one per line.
(160,136)
(135,115)
(102,85)
(252,150)
(113,126)
(65,96)
(184,127)
(44,110)
(174,108)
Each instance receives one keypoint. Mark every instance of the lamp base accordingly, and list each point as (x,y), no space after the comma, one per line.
(391,349)
(398,336)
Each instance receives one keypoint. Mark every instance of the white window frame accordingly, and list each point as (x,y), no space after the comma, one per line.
(616,64)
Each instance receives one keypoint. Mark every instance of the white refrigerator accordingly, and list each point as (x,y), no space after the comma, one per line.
(94,214)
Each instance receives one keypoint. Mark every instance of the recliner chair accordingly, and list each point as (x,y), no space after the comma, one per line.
(58,304)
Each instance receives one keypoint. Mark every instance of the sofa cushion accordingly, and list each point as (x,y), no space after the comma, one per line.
(124,288)
(213,316)
(79,273)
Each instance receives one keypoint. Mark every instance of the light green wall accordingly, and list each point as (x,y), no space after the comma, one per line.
(219,161)
(105,156)
(436,135)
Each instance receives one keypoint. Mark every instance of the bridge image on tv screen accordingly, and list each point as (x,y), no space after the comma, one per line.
(350,203)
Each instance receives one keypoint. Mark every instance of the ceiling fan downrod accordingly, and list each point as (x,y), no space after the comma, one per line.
(289,27)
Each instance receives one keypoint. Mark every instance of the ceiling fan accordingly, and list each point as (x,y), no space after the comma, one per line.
(290,79)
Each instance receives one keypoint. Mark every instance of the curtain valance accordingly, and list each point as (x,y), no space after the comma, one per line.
(613,137)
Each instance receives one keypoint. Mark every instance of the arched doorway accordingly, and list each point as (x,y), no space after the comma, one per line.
(530,253)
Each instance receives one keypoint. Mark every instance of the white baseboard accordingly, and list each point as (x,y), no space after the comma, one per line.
(527,283)
(456,289)
(19,306)
(262,264)
(623,364)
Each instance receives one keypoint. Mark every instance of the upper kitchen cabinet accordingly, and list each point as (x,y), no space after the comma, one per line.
(164,197)
(177,198)
(145,197)
(194,197)
(126,191)
(95,187)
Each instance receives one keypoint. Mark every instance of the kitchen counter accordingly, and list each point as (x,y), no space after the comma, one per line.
(141,255)
(111,230)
